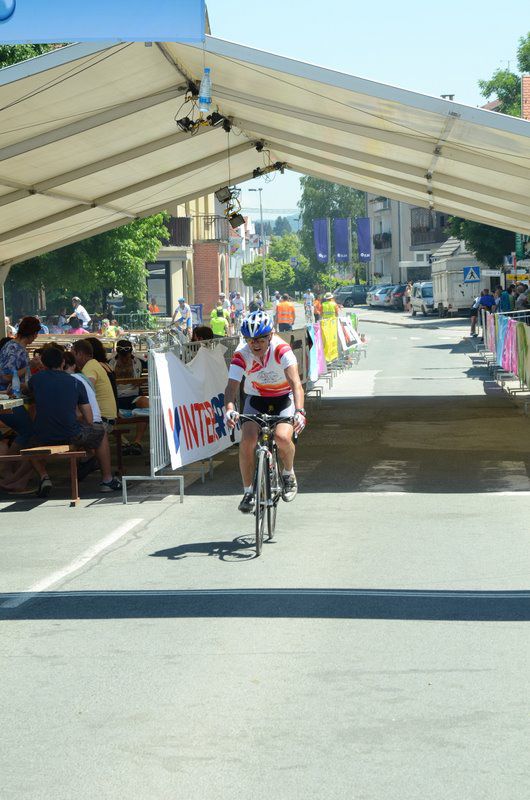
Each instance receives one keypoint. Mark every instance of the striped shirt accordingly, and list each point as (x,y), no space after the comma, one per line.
(267,378)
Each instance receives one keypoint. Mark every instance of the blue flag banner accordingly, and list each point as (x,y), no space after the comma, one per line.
(341,240)
(92,20)
(364,240)
(321,236)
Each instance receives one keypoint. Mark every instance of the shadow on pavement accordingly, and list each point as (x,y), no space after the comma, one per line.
(446,606)
(239,549)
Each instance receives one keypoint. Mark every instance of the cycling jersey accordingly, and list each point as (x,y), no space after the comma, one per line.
(239,305)
(265,379)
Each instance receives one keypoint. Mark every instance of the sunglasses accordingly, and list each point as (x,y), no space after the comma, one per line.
(257,339)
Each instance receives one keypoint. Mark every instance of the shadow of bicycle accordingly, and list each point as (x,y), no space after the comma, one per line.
(242,548)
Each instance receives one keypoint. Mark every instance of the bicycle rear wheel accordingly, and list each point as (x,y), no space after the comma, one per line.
(261,497)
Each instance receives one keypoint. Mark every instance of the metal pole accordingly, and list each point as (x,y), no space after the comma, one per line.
(263,266)
(262,237)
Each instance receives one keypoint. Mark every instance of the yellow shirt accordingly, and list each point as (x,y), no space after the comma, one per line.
(102,387)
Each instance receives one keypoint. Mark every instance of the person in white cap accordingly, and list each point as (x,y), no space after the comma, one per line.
(80,312)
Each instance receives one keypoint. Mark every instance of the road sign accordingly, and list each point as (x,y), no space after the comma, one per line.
(491,273)
(471,274)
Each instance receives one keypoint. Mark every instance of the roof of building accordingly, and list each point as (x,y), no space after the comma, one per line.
(451,247)
(89,140)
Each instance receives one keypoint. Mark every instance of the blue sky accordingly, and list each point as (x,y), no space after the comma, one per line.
(72,20)
(432,48)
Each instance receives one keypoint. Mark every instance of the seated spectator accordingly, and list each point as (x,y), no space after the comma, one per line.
(43,327)
(62,319)
(55,327)
(10,330)
(98,374)
(126,365)
(202,333)
(14,358)
(75,327)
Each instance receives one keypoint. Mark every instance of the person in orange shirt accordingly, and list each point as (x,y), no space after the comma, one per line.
(285,314)
(317,309)
(153,308)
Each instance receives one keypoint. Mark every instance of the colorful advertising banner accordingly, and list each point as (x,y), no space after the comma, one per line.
(321,358)
(321,236)
(341,240)
(193,404)
(93,20)
(364,239)
(330,339)
(236,245)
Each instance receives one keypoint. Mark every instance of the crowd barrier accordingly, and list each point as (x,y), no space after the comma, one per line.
(322,349)
(506,348)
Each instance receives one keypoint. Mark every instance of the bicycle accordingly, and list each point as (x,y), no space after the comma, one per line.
(267,484)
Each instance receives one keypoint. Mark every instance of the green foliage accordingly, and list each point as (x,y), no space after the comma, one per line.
(267,228)
(95,266)
(324,199)
(14,53)
(281,226)
(280,275)
(523,53)
(506,87)
(489,244)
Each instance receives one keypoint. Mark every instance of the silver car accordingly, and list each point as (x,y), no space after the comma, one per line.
(421,298)
(379,297)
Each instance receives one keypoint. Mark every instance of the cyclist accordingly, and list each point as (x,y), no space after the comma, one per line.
(238,304)
(181,318)
(272,386)
(309,299)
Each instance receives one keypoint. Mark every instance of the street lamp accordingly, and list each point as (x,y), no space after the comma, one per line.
(262,237)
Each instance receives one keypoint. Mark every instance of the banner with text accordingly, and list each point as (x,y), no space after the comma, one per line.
(341,240)
(120,20)
(364,240)
(321,236)
(193,404)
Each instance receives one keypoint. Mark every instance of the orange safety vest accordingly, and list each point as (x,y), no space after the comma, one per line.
(285,312)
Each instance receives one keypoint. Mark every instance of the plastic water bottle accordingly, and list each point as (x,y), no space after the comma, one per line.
(15,384)
(205,92)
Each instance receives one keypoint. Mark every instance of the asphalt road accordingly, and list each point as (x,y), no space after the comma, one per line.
(378,649)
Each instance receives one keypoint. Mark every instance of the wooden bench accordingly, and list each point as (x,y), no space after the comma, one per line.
(51,453)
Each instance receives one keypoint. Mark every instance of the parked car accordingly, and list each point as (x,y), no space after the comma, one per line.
(396,298)
(422,298)
(372,290)
(379,297)
(349,296)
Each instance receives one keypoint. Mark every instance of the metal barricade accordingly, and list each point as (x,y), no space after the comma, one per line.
(159,456)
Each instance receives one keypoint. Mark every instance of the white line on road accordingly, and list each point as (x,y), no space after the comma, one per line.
(75,565)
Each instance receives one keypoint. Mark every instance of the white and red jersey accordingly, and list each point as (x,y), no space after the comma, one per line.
(265,379)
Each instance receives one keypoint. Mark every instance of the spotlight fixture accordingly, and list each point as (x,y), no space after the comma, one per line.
(215,119)
(236,220)
(257,173)
(280,166)
(260,146)
(224,195)
(185,124)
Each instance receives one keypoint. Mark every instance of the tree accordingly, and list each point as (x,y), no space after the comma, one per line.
(489,244)
(281,226)
(505,85)
(93,267)
(13,53)
(280,275)
(267,228)
(324,199)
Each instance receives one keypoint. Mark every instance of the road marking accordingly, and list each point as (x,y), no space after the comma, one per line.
(46,583)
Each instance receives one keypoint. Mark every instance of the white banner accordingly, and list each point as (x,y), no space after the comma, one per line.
(192,397)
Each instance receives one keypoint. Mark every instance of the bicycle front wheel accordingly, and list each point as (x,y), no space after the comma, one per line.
(274,495)
(261,498)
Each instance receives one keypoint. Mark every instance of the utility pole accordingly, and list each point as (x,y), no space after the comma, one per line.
(262,237)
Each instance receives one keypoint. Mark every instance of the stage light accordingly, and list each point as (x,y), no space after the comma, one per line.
(224,195)
(185,124)
(236,220)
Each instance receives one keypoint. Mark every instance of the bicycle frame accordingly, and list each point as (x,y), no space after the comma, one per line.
(267,484)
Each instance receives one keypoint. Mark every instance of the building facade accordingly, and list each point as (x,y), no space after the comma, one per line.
(403,240)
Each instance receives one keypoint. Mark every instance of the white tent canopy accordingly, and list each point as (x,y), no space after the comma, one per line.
(88,139)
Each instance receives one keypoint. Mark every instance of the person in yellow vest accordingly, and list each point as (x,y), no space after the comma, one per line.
(219,323)
(330,309)
(284,314)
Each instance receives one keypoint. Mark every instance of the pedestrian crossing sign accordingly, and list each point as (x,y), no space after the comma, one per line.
(471,274)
